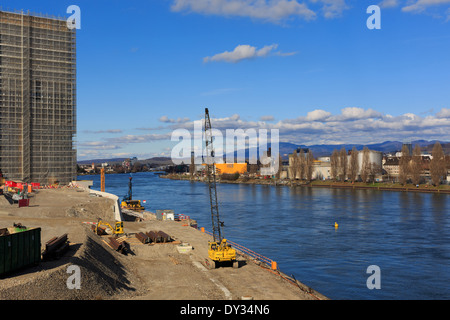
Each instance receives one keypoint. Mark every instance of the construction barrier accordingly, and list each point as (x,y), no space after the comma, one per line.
(272,264)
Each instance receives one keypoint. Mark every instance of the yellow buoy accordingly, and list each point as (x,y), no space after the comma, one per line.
(336,225)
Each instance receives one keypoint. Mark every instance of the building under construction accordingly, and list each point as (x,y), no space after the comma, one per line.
(37,98)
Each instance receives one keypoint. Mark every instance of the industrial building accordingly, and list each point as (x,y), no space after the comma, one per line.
(37,98)
(231,168)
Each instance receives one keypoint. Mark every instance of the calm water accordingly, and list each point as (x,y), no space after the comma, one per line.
(406,234)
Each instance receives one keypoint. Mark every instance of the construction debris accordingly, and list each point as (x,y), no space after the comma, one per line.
(164,237)
(56,247)
(159,236)
(142,237)
(154,237)
(120,246)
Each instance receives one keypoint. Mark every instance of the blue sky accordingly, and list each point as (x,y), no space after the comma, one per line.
(310,68)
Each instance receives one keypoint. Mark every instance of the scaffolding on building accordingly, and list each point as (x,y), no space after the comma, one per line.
(37,98)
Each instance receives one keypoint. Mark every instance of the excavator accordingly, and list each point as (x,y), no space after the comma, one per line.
(118,227)
(128,202)
(219,251)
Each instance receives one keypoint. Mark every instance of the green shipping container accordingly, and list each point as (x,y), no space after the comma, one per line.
(20,250)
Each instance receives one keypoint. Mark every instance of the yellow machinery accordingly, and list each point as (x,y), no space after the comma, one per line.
(128,202)
(219,251)
(132,205)
(118,227)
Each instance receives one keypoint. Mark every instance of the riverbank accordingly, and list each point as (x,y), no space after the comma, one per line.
(149,272)
(382,186)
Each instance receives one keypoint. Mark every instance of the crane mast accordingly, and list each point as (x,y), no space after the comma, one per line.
(219,250)
(211,174)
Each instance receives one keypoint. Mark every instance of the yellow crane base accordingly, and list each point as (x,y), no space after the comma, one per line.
(221,254)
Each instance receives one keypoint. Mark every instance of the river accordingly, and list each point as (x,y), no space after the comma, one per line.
(407,235)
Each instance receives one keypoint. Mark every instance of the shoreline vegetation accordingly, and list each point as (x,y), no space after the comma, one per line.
(382,186)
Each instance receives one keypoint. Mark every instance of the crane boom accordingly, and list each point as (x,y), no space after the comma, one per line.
(219,250)
(211,174)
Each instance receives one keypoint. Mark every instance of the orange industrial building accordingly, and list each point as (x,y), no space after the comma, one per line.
(230,168)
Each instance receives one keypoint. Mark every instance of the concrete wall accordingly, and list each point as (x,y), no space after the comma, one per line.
(117,211)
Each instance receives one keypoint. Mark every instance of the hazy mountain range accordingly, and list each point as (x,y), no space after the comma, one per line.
(317,150)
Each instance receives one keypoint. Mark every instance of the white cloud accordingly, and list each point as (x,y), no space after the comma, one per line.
(317,115)
(241,52)
(389,3)
(421,5)
(351,125)
(444,113)
(166,119)
(272,10)
(332,8)
(359,113)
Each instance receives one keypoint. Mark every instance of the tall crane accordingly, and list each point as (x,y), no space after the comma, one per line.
(219,251)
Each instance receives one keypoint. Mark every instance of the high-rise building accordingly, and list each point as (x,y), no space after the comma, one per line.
(37,98)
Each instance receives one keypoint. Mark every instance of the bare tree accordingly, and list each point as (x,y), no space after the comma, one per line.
(353,166)
(293,165)
(253,166)
(437,165)
(280,167)
(301,165)
(416,165)
(366,165)
(342,164)
(374,170)
(404,165)
(334,161)
(309,166)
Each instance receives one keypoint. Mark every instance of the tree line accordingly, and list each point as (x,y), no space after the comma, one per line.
(343,168)
(302,166)
(411,166)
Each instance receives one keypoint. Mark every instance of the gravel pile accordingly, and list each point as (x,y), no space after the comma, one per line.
(103,276)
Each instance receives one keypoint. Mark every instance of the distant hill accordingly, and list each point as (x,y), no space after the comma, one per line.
(98,161)
(287,148)
(385,147)
(155,160)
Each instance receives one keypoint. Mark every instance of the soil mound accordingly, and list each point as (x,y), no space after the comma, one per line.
(103,276)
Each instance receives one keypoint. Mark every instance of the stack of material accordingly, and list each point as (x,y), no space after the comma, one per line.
(142,237)
(164,237)
(123,247)
(153,236)
(159,237)
(56,247)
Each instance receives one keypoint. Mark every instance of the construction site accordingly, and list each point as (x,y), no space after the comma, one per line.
(51,224)
(122,251)
(37,98)
(153,259)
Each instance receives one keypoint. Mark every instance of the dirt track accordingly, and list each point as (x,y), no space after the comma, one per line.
(152,272)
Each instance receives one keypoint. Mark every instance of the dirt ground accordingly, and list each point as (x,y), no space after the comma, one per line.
(150,272)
